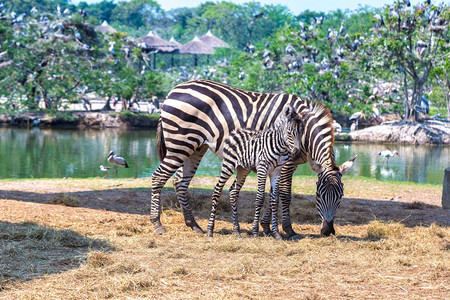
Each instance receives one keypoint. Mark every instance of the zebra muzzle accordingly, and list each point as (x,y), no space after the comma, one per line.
(327,227)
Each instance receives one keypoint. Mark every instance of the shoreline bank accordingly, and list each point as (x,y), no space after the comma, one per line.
(82,120)
(428,132)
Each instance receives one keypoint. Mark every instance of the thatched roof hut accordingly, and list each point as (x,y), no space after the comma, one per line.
(175,42)
(213,41)
(196,46)
(106,28)
(156,44)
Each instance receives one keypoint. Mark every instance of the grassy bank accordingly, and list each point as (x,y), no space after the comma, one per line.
(91,239)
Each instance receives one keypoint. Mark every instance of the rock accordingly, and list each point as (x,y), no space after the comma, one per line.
(429,132)
(446,190)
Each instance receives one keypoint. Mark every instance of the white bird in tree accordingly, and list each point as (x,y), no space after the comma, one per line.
(105,169)
(386,154)
(116,161)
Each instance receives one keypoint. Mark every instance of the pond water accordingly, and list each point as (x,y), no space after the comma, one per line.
(57,153)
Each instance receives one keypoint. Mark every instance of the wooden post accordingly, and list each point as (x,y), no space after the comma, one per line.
(446,190)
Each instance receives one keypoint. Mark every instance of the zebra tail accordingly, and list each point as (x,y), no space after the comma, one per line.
(160,144)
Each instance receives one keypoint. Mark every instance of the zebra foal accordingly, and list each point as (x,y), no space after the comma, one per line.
(265,152)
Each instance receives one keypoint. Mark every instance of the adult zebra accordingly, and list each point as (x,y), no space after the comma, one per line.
(200,114)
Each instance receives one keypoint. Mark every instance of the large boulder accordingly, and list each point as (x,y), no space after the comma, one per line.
(429,132)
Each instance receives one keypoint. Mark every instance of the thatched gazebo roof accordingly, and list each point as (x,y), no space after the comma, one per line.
(196,46)
(175,42)
(105,28)
(157,44)
(213,41)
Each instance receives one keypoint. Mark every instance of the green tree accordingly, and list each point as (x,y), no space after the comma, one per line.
(137,13)
(410,41)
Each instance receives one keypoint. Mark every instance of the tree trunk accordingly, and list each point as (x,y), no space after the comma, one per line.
(107,106)
(446,89)
(47,101)
(124,103)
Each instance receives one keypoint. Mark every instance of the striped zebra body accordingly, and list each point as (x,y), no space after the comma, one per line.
(201,114)
(264,152)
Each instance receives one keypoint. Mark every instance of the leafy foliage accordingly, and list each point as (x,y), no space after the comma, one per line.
(350,60)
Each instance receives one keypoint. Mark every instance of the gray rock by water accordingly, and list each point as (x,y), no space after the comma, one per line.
(446,190)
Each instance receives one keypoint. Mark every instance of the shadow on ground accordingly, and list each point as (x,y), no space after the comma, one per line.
(29,250)
(303,208)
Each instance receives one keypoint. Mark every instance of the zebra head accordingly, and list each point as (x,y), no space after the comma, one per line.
(330,190)
(291,125)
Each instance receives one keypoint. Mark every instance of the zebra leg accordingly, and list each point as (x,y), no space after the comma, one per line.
(224,176)
(285,190)
(262,175)
(159,179)
(182,181)
(265,219)
(274,178)
(234,196)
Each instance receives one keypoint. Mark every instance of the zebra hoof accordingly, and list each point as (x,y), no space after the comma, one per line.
(209,234)
(266,231)
(197,229)
(160,230)
(294,237)
(277,236)
(194,226)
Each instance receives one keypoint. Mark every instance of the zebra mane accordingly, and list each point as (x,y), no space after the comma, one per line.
(319,133)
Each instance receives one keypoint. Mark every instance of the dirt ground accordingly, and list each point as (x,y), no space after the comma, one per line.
(91,239)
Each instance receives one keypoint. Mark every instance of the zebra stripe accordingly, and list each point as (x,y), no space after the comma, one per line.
(264,151)
(201,114)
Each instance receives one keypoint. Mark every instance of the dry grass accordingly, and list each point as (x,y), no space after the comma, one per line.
(104,248)
(64,199)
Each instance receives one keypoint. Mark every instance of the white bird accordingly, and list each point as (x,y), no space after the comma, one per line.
(386,154)
(337,127)
(356,116)
(105,169)
(116,161)
(77,35)
(111,47)
(290,50)
(302,25)
(424,106)
(376,112)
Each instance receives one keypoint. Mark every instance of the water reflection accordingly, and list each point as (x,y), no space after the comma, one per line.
(423,164)
(79,153)
(72,153)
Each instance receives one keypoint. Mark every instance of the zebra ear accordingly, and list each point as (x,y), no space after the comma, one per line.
(345,167)
(289,111)
(314,165)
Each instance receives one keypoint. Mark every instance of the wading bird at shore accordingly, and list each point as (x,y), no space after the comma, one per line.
(105,169)
(376,113)
(116,161)
(354,118)
(386,154)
